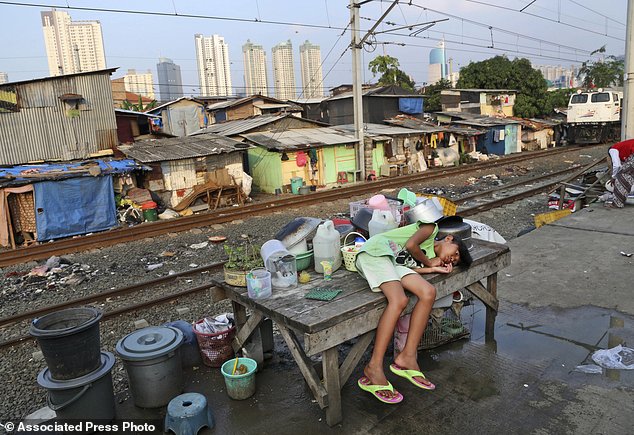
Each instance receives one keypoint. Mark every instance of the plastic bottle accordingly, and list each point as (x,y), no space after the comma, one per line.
(327,246)
(381,222)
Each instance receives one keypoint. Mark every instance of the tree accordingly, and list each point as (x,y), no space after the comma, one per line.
(501,73)
(139,107)
(391,74)
(432,94)
(556,98)
(603,73)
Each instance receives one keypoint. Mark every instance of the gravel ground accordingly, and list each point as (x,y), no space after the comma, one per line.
(103,269)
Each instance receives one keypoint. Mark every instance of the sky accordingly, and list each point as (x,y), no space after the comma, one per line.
(547,32)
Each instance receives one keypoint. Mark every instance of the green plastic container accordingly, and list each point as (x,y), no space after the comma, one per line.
(296,183)
(303,260)
(240,387)
(150,215)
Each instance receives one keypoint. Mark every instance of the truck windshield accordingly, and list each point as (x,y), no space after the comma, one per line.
(579,99)
(602,97)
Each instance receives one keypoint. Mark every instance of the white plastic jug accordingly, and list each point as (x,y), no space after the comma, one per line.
(381,222)
(327,246)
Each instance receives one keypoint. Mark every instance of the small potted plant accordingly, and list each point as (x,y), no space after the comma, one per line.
(242,258)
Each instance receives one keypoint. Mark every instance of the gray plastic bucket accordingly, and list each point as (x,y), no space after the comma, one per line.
(69,341)
(89,397)
(152,360)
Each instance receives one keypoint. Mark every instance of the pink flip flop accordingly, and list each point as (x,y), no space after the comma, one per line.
(364,384)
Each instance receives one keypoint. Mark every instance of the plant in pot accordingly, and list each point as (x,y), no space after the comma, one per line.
(241,259)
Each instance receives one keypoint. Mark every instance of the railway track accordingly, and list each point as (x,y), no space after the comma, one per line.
(470,205)
(123,235)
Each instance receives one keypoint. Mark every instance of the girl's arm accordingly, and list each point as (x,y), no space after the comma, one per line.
(436,269)
(413,245)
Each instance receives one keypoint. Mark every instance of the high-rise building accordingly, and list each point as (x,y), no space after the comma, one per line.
(212,58)
(139,83)
(284,71)
(255,80)
(558,76)
(312,76)
(437,64)
(4,77)
(169,79)
(72,46)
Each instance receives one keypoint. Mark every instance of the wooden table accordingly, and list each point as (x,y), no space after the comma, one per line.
(354,314)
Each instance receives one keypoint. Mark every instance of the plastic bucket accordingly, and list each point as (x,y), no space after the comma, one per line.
(271,247)
(69,341)
(259,284)
(150,215)
(240,387)
(296,183)
(89,397)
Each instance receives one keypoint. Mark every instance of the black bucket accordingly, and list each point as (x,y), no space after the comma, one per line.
(69,340)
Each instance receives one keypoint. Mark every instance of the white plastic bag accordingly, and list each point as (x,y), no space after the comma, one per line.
(619,357)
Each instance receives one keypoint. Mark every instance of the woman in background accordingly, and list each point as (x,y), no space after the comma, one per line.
(621,157)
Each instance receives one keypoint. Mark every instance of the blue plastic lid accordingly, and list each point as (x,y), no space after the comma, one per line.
(149,343)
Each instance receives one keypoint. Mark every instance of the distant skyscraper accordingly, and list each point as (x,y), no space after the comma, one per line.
(284,71)
(212,58)
(4,77)
(310,60)
(558,76)
(437,64)
(169,79)
(72,46)
(255,81)
(142,84)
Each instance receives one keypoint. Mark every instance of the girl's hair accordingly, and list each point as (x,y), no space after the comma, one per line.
(465,256)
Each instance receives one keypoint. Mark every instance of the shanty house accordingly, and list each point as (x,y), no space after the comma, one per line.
(277,122)
(181,116)
(378,104)
(319,156)
(132,124)
(486,102)
(247,107)
(64,117)
(180,164)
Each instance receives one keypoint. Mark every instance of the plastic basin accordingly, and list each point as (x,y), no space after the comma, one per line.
(240,387)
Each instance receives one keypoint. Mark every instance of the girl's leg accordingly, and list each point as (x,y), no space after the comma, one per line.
(396,303)
(426,294)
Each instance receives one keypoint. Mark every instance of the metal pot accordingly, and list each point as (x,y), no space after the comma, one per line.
(454,225)
(425,211)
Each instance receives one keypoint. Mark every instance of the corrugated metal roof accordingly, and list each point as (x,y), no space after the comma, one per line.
(132,112)
(178,148)
(420,125)
(238,126)
(266,101)
(380,129)
(299,138)
(65,76)
(169,103)
(380,91)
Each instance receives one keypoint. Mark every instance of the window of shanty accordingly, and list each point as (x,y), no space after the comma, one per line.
(8,99)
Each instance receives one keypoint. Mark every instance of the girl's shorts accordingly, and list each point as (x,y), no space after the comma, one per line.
(377,270)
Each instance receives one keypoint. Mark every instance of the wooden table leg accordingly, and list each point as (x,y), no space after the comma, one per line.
(492,288)
(330,363)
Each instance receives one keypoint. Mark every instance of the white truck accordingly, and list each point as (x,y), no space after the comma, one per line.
(594,116)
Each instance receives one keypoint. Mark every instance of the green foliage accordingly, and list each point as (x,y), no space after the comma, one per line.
(602,74)
(501,73)
(243,257)
(139,107)
(556,98)
(432,95)
(391,74)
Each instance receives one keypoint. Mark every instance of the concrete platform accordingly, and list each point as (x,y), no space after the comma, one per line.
(568,292)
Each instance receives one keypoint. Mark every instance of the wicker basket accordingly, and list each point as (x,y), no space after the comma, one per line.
(216,348)
(349,253)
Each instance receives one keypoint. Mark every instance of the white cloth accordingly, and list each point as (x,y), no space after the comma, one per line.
(616,161)
(482,231)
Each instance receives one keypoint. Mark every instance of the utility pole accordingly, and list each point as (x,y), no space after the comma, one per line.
(357,92)
(627,105)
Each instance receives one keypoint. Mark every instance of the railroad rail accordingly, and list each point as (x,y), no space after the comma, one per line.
(150,229)
(554,178)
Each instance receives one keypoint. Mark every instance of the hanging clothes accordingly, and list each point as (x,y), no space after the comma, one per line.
(312,153)
(501,134)
(300,159)
(433,140)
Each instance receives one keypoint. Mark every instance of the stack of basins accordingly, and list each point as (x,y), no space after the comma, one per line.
(78,377)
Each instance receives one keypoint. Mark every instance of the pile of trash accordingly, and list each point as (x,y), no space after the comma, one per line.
(56,273)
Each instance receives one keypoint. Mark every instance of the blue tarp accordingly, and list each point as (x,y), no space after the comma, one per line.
(411,106)
(107,167)
(74,206)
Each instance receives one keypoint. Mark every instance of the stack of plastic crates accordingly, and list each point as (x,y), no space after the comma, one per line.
(396,207)
(443,330)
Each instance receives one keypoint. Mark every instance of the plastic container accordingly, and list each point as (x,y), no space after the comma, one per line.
(296,183)
(240,387)
(284,272)
(69,341)
(259,284)
(327,246)
(381,222)
(149,211)
(396,207)
(215,348)
(152,361)
(270,251)
(349,251)
(378,202)
(303,260)
(88,397)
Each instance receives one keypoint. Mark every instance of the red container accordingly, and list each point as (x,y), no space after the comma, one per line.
(148,205)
